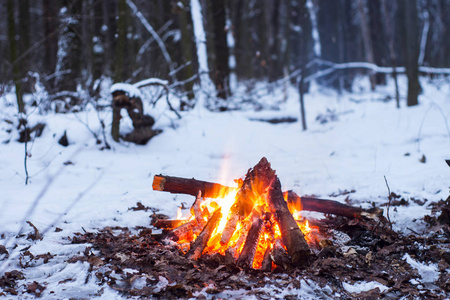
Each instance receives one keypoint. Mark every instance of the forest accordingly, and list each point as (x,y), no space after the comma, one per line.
(225,149)
(69,46)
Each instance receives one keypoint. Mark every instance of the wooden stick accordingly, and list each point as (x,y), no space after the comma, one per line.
(266,265)
(202,240)
(183,231)
(292,236)
(279,256)
(177,185)
(168,224)
(255,184)
(247,255)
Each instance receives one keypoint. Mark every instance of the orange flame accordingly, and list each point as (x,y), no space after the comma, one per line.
(269,233)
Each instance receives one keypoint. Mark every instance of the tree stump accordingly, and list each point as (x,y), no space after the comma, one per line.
(142,123)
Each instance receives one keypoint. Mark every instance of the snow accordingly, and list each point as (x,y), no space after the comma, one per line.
(363,286)
(149,81)
(428,273)
(130,89)
(80,187)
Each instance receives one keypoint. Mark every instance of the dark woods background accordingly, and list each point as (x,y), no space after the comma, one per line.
(69,45)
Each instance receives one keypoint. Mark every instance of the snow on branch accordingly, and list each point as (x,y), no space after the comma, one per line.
(151,81)
(365,65)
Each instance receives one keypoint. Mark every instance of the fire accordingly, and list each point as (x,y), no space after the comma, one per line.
(248,228)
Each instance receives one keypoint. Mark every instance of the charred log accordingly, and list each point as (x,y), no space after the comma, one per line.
(177,185)
(245,259)
(266,265)
(168,224)
(292,236)
(280,257)
(328,206)
(202,240)
(255,183)
(183,232)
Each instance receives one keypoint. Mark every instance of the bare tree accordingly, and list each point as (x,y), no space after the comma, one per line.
(13,52)
(409,26)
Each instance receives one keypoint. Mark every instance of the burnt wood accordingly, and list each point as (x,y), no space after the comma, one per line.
(292,236)
(168,224)
(202,239)
(178,185)
(266,265)
(183,231)
(255,184)
(247,255)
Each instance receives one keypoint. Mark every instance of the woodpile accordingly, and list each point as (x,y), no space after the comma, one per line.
(259,229)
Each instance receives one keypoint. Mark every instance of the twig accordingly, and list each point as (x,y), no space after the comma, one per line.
(25,159)
(389,203)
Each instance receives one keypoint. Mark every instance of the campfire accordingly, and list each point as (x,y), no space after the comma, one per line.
(255,225)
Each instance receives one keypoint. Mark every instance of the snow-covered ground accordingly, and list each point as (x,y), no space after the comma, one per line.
(81,187)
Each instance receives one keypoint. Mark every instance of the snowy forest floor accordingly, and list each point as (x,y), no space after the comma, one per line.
(353,142)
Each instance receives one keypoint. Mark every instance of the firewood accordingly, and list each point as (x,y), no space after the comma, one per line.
(279,256)
(266,265)
(168,224)
(177,185)
(245,259)
(292,236)
(328,206)
(230,228)
(196,209)
(202,239)
(183,231)
(255,183)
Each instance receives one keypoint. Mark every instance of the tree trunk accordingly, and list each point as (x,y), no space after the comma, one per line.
(366,37)
(409,30)
(51,24)
(392,54)
(378,38)
(222,72)
(121,42)
(13,53)
(186,51)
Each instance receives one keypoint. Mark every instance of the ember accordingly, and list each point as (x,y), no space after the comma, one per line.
(256,224)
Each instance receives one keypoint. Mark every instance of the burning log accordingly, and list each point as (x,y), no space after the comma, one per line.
(266,265)
(245,259)
(292,236)
(328,206)
(255,183)
(177,185)
(196,210)
(202,240)
(279,256)
(183,232)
